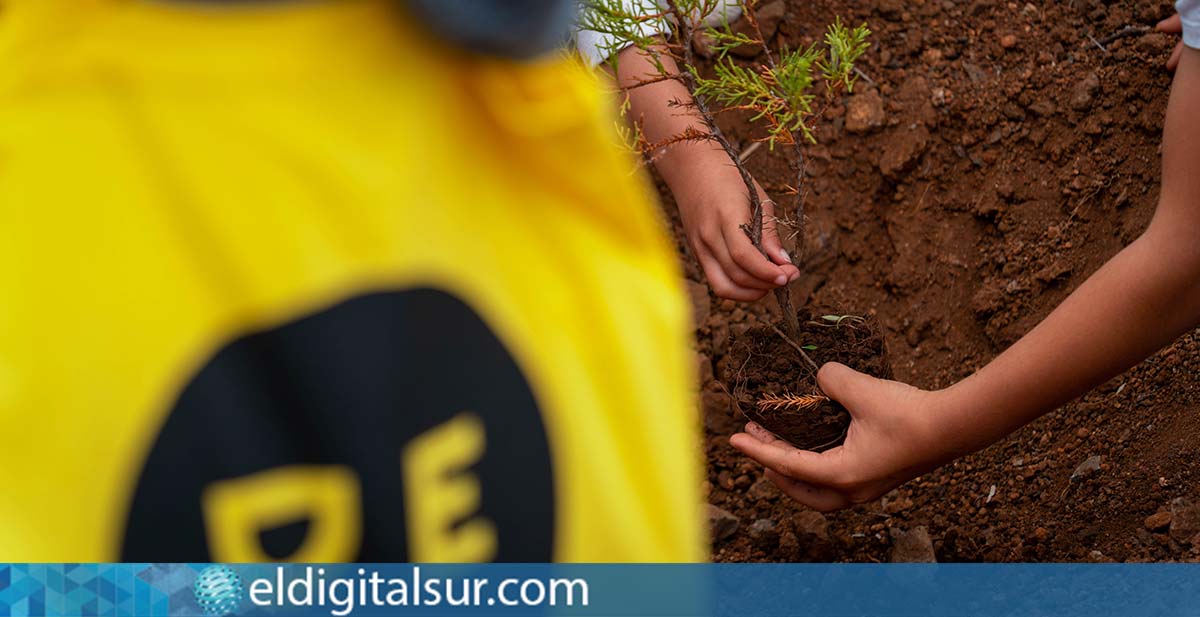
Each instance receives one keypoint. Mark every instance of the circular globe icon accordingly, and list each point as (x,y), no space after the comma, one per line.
(218,590)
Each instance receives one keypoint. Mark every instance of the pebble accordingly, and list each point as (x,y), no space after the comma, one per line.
(722,523)
(1008,41)
(1084,93)
(864,112)
(903,150)
(764,533)
(1185,519)
(1087,468)
(763,489)
(814,542)
(1158,521)
(913,546)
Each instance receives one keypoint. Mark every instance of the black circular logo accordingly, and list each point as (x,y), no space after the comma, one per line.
(391,427)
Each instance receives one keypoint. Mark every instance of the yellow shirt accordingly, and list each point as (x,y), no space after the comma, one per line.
(296,281)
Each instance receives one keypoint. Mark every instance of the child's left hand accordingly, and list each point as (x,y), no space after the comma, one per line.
(893,437)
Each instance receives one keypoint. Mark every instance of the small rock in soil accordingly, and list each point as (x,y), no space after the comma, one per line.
(1084,92)
(764,533)
(763,489)
(1158,521)
(1087,468)
(1008,41)
(789,546)
(1043,108)
(1185,519)
(864,112)
(812,536)
(902,151)
(913,546)
(722,523)
(1054,271)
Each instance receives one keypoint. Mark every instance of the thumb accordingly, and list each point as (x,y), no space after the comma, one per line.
(847,386)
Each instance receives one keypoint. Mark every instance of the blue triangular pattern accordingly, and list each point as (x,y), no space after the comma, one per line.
(104,607)
(37,607)
(5,577)
(81,574)
(55,577)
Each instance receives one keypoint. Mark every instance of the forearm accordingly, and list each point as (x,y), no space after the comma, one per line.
(653,106)
(1138,302)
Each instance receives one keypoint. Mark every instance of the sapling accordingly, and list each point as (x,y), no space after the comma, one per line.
(778,93)
(782,94)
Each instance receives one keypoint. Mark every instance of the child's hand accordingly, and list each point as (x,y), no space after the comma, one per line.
(891,440)
(1172,25)
(713,205)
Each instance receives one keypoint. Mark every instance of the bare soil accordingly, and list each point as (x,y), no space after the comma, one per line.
(997,156)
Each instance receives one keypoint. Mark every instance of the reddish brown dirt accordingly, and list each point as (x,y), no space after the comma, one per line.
(1000,177)
(761,367)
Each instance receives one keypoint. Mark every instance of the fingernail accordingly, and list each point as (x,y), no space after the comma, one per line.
(782,279)
(795,275)
(786,257)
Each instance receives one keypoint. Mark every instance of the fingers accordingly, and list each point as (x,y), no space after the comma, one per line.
(748,259)
(820,499)
(1173,61)
(721,284)
(809,467)
(816,497)
(771,244)
(1171,25)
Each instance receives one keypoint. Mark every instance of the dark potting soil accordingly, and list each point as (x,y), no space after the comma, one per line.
(775,386)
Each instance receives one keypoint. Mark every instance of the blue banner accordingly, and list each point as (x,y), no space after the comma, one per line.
(747,590)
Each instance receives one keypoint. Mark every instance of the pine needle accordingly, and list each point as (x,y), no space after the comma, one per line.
(786,401)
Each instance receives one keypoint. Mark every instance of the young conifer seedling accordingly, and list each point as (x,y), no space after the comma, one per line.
(782,94)
(778,93)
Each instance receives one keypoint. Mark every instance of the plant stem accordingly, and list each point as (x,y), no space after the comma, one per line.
(755,227)
(782,294)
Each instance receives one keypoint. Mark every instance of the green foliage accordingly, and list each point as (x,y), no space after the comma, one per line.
(779,93)
(845,48)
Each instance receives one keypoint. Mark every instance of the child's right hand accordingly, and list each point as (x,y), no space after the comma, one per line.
(713,205)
